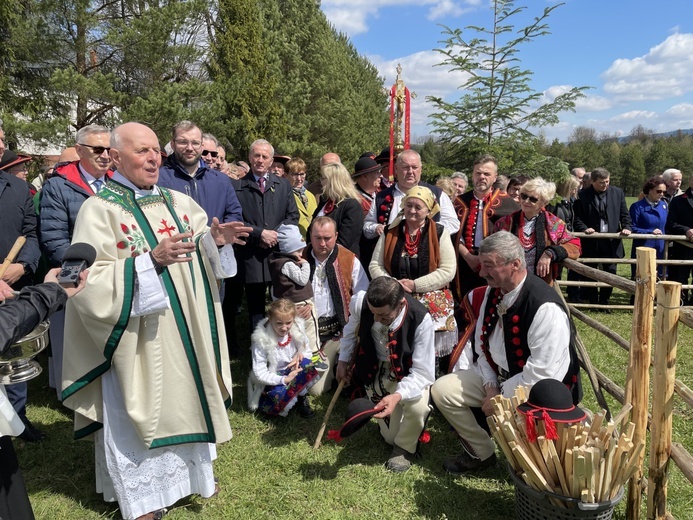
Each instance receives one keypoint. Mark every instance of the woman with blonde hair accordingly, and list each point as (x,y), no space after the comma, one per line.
(341,202)
(544,237)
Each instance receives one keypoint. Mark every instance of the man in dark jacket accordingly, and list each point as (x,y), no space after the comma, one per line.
(18,317)
(267,202)
(184,171)
(18,218)
(680,222)
(60,200)
(71,184)
(601,208)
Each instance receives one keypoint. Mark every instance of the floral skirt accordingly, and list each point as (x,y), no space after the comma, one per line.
(278,400)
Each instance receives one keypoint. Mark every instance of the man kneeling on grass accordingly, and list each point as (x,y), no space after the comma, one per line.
(395,362)
(520,334)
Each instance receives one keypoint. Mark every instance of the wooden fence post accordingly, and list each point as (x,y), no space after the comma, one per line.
(638,376)
(664,375)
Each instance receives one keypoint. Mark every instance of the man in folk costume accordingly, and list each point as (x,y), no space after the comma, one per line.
(145,365)
(393,337)
(477,211)
(520,334)
(335,274)
(387,202)
(367,179)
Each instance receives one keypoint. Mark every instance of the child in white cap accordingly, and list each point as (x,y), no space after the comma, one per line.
(290,274)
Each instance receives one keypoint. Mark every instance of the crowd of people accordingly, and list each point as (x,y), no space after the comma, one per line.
(413,295)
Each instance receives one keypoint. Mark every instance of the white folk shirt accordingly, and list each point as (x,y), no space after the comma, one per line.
(422,372)
(322,297)
(448,216)
(548,339)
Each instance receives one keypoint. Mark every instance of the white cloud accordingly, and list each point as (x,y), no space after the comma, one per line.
(352,16)
(445,8)
(636,116)
(665,71)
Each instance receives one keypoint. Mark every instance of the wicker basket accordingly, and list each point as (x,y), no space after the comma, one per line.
(531,504)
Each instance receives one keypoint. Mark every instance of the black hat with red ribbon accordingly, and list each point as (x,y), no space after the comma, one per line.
(359,412)
(552,402)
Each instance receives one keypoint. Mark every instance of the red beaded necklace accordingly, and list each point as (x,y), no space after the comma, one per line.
(411,245)
(281,344)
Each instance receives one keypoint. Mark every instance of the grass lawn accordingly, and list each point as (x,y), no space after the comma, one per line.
(269,469)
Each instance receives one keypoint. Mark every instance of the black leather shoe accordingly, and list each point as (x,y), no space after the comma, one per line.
(303,407)
(465,463)
(31,433)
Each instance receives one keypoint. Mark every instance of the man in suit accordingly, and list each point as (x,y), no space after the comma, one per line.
(680,222)
(267,202)
(601,208)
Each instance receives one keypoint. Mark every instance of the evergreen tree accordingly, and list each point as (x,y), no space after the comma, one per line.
(498,100)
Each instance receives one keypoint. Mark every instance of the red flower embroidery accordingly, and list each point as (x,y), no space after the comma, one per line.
(516,341)
(516,330)
(425,437)
(520,363)
(121,245)
(516,319)
(518,352)
(124,228)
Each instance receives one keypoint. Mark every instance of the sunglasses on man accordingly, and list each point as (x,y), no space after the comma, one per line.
(96,150)
(213,153)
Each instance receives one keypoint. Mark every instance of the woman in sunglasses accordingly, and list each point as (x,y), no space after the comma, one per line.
(544,237)
(649,216)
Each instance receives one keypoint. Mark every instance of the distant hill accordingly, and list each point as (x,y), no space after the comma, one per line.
(687,131)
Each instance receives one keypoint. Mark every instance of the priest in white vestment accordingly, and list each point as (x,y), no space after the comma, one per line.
(146,366)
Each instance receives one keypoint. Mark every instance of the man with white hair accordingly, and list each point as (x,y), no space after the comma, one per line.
(267,202)
(145,368)
(673,179)
(62,197)
(518,334)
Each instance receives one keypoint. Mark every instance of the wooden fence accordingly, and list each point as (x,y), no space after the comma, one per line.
(667,296)
(665,262)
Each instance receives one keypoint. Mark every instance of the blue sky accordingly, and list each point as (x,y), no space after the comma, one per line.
(636,54)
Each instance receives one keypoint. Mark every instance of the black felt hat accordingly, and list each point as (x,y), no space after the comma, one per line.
(551,401)
(365,165)
(384,156)
(10,158)
(367,154)
(359,412)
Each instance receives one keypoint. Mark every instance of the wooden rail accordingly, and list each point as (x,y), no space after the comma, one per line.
(637,384)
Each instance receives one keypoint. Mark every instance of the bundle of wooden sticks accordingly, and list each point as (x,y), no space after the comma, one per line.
(588,462)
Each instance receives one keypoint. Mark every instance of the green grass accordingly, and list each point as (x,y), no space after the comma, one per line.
(270,471)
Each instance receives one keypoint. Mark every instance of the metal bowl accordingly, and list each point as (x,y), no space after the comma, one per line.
(16,363)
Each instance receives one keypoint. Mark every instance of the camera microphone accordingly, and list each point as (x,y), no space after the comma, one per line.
(78,257)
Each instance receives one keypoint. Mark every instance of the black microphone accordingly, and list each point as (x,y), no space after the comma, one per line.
(77,258)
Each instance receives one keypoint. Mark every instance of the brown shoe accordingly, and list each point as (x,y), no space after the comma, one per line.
(400,460)
(464,463)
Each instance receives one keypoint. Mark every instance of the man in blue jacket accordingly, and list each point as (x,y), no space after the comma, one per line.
(61,198)
(184,171)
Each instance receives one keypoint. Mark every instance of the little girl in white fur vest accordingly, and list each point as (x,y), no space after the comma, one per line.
(282,369)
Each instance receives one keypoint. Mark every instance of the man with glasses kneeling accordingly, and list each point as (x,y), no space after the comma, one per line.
(519,334)
(391,335)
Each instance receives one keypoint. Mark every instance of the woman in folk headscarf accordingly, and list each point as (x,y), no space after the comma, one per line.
(420,255)
(544,237)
